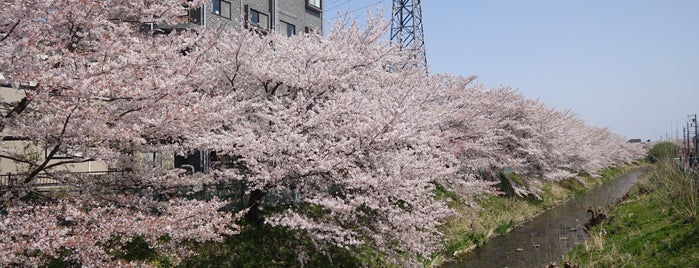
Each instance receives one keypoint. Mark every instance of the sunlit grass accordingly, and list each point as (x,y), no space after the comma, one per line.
(655,226)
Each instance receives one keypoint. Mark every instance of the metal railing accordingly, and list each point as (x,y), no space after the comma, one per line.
(10,179)
(235,192)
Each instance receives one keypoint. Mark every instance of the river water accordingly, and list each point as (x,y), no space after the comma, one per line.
(548,236)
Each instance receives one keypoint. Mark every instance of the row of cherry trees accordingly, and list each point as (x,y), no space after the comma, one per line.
(496,128)
(342,120)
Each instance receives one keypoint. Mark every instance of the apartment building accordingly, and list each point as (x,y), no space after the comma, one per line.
(282,16)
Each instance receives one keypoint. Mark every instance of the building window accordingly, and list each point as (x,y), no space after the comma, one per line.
(222,8)
(259,19)
(290,29)
(314,4)
(287,28)
(195,16)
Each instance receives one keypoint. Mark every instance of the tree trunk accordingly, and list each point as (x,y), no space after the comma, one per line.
(254,214)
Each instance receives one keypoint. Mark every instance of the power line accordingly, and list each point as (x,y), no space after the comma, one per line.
(334,2)
(330,2)
(358,9)
(340,4)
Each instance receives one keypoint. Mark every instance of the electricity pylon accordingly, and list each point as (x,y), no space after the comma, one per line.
(406,29)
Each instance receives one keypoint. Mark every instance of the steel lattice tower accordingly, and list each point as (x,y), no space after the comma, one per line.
(406,29)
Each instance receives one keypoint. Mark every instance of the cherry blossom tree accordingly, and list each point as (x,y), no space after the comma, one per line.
(97,87)
(497,128)
(325,117)
(343,122)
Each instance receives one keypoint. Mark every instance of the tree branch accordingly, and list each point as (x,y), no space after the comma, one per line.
(55,149)
(18,159)
(131,111)
(14,138)
(16,110)
(10,31)
(68,162)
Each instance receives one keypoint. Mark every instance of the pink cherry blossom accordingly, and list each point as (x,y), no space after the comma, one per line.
(343,122)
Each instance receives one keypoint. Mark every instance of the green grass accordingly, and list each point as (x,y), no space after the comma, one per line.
(655,226)
(504,227)
(573,185)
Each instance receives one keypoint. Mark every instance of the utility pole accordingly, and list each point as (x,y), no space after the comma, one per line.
(695,139)
(407,31)
(686,144)
(692,142)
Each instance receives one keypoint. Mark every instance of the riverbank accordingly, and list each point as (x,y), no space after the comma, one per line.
(499,214)
(279,247)
(654,226)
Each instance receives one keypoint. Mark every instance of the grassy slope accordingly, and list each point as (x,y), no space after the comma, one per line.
(655,226)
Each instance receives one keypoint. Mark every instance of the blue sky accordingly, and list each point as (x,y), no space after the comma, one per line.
(631,66)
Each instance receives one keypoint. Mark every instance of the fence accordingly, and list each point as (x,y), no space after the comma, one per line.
(236,192)
(42,181)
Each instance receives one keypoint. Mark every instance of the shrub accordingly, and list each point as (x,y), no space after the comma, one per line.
(663,150)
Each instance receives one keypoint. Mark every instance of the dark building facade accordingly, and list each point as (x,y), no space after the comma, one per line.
(282,16)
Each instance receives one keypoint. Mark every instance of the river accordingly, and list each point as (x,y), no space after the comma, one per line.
(548,236)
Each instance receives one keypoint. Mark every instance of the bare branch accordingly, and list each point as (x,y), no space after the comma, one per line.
(18,159)
(53,152)
(12,29)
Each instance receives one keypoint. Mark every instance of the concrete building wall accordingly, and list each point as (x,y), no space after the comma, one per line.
(276,14)
(29,151)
